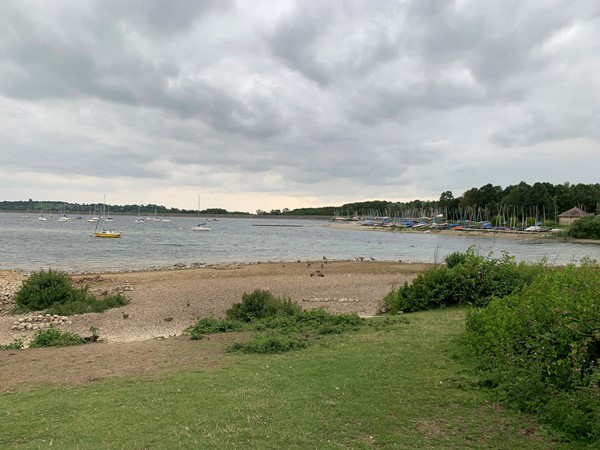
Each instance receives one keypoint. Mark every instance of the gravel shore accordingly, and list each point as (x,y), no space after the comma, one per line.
(165,302)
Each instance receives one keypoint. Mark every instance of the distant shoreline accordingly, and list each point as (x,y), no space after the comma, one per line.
(473,233)
(35,212)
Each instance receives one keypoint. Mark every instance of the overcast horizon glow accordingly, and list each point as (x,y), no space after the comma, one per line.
(271,105)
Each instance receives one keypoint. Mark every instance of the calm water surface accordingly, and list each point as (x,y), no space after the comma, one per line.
(28,244)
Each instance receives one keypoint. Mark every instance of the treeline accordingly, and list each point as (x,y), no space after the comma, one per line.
(59,207)
(541,199)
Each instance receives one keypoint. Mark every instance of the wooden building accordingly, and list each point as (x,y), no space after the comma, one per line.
(570,216)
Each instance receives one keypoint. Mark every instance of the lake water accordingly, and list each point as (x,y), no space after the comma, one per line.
(28,244)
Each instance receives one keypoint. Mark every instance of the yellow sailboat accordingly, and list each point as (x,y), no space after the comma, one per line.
(105,233)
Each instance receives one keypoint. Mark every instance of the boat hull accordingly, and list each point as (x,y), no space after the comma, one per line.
(108,234)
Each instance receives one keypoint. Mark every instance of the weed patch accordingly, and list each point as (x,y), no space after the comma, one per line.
(271,342)
(280,324)
(17,344)
(210,325)
(88,304)
(55,338)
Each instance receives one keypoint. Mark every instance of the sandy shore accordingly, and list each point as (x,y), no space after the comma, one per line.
(165,302)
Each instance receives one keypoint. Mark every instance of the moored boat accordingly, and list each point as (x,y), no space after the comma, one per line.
(108,234)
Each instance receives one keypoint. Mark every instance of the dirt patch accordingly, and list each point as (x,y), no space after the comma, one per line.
(22,369)
(140,338)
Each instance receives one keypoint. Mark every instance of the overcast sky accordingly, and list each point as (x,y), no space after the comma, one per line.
(282,104)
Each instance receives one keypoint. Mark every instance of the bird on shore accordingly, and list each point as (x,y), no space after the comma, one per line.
(125,316)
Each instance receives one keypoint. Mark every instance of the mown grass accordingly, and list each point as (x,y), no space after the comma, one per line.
(392,384)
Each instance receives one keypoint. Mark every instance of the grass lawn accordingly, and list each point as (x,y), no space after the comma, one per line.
(391,385)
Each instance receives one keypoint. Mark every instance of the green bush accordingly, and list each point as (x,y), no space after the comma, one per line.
(54,292)
(466,279)
(55,338)
(260,304)
(542,346)
(587,227)
(43,289)
(455,258)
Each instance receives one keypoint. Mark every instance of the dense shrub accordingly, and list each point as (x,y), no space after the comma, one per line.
(260,304)
(55,338)
(542,346)
(585,228)
(54,292)
(43,289)
(467,278)
(455,258)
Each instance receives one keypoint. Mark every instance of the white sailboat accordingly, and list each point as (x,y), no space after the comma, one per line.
(92,218)
(201,225)
(139,219)
(41,218)
(64,217)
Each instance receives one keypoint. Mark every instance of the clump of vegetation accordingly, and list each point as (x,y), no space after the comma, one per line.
(53,337)
(541,347)
(210,325)
(261,304)
(54,292)
(456,258)
(467,278)
(280,325)
(17,344)
(587,227)
(43,289)
(88,304)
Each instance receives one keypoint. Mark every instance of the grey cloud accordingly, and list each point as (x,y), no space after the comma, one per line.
(160,18)
(350,97)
